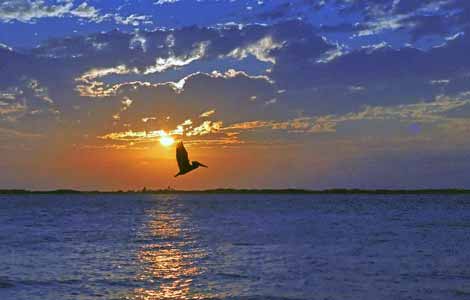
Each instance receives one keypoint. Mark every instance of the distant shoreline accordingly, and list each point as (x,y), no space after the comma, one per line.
(247,191)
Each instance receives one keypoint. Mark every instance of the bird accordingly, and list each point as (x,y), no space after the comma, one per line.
(183,161)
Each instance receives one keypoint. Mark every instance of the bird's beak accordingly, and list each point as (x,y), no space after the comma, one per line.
(203,165)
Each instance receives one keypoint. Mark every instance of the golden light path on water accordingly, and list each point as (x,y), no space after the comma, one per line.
(169,263)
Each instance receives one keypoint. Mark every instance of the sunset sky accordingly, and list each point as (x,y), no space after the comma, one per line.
(269,94)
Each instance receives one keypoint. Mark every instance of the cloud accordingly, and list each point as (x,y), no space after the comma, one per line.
(162,2)
(134,20)
(260,49)
(5,47)
(11,133)
(172,61)
(424,112)
(207,113)
(126,103)
(88,86)
(382,23)
(86,11)
(365,19)
(332,54)
(28,11)
(39,91)
(249,125)
(134,136)
(206,127)
(29,98)
(91,87)
(9,109)
(433,112)
(160,71)
(183,129)
(138,41)
(147,119)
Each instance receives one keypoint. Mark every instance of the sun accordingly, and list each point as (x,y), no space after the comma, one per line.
(167,141)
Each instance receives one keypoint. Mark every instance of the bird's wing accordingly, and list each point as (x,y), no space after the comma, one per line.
(182,157)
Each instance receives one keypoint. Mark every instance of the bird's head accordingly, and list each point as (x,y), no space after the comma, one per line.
(198,164)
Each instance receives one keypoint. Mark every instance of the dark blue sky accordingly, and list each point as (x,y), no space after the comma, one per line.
(335,93)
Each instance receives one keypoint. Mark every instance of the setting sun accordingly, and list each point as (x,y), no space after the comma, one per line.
(167,141)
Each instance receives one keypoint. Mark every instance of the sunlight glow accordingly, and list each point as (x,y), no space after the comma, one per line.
(167,141)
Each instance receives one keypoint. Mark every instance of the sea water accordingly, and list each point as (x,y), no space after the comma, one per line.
(215,246)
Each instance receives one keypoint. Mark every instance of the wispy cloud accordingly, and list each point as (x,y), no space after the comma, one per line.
(260,49)
(207,127)
(89,85)
(207,113)
(28,11)
(9,133)
(30,97)
(147,119)
(433,112)
(172,61)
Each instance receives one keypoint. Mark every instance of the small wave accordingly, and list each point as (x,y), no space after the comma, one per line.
(244,244)
(232,275)
(462,292)
(5,283)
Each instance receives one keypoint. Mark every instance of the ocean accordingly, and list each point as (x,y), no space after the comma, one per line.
(229,246)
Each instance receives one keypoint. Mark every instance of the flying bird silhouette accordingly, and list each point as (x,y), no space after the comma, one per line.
(183,161)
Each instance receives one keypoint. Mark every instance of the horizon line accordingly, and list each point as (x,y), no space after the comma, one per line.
(246,191)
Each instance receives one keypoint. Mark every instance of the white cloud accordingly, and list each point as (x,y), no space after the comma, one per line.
(270,102)
(39,91)
(138,41)
(231,73)
(146,119)
(161,2)
(332,54)
(440,82)
(373,47)
(206,127)
(260,49)
(86,11)
(380,24)
(3,46)
(89,86)
(170,40)
(207,113)
(28,11)
(134,20)
(162,64)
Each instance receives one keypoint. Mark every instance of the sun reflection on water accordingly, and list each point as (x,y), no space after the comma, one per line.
(170,262)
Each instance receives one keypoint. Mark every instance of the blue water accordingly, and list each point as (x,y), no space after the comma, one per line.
(63,247)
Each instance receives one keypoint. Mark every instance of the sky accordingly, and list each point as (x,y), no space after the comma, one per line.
(269,94)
